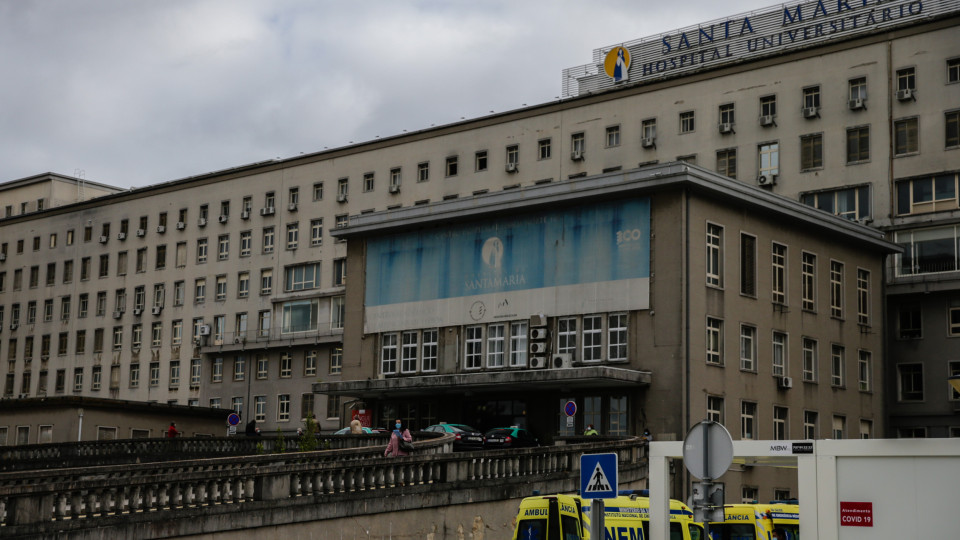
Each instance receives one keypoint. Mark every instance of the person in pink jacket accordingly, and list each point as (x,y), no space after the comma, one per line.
(393,447)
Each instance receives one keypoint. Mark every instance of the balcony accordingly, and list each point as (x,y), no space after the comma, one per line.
(261,340)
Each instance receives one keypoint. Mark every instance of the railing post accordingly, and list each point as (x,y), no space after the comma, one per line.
(29,509)
(272,488)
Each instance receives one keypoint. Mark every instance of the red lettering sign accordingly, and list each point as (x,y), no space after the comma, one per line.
(856,514)
(364,416)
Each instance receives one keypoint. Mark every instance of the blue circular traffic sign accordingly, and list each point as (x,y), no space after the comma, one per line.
(233,419)
(570,408)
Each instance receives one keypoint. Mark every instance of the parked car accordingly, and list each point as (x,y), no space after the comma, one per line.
(346,431)
(509,437)
(468,438)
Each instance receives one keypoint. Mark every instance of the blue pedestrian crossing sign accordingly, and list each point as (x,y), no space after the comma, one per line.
(598,476)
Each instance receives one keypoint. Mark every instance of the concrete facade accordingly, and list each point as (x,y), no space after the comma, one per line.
(205,257)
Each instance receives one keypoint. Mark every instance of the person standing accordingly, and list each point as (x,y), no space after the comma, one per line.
(590,430)
(393,447)
(172,430)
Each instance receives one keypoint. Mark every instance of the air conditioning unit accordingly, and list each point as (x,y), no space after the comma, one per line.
(538,348)
(117,314)
(137,312)
(785,382)
(161,229)
(538,333)
(538,362)
(3,256)
(181,225)
(238,339)
(202,222)
(905,94)
(857,104)
(121,236)
(394,188)
(538,320)
(767,179)
(204,329)
(14,326)
(223,219)
(511,167)
(292,207)
(562,361)
(648,142)
(267,211)
(103,239)
(141,233)
(576,155)
(245,214)
(726,128)
(156,310)
(810,112)
(341,197)
(766,120)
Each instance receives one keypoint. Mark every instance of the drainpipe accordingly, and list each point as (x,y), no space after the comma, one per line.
(80,424)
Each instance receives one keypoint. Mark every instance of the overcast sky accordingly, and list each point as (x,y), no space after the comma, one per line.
(132,93)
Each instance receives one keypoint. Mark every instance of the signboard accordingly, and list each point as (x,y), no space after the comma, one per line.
(708,450)
(856,514)
(233,419)
(570,408)
(790,448)
(598,476)
(363,415)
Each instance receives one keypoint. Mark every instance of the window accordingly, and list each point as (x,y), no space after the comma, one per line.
(216,370)
(727,162)
(592,338)
(811,152)
(200,291)
(161,262)
(910,382)
(293,197)
(769,156)
(302,277)
(838,366)
(176,332)
(409,351)
(451,166)
(174,373)
(429,350)
(727,118)
(179,288)
(156,334)
(907,79)
(809,359)
(613,136)
(864,371)
(768,107)
(293,235)
(617,337)
(479,161)
(423,172)
(310,364)
(243,284)
(201,253)
(836,289)
(778,276)
(858,144)
(952,135)
(368,182)
(648,129)
(181,255)
(748,347)
(715,409)
(300,315)
(336,360)
(866,429)
(223,247)
(863,296)
(714,257)
(839,427)
(953,70)
(953,321)
(748,420)
(513,156)
(337,312)
(155,373)
(714,341)
(567,335)
(266,281)
(473,350)
(850,203)
(808,281)
(239,368)
(577,146)
(543,149)
(246,243)
(283,408)
(953,370)
(927,251)
(858,89)
(905,136)
(286,366)
(780,354)
(810,424)
(780,423)
(339,271)
(686,122)
(268,238)
(260,408)
(318,191)
(270,200)
(388,353)
(518,344)
(221,292)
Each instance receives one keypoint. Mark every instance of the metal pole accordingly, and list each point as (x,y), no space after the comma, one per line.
(596,518)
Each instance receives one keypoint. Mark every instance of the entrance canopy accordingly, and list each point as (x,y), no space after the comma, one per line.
(567,379)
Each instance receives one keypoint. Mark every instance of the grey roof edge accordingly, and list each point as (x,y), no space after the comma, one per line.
(641,181)
(41,177)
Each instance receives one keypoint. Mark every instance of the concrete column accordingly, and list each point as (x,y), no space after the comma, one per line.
(29,509)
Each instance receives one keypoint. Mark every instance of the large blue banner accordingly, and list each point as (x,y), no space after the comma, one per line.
(593,243)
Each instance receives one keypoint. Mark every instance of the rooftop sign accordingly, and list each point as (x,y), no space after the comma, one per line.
(755,34)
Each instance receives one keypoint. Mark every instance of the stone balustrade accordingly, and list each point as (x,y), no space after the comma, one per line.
(173,498)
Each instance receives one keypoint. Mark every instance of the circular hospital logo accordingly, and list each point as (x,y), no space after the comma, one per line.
(492,252)
(477,310)
(617,64)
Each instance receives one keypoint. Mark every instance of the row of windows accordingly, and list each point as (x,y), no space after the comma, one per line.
(910,322)
(779,357)
(282,367)
(780,422)
(779,264)
(282,413)
(910,384)
(928,194)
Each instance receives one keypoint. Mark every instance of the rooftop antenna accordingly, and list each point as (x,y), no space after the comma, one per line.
(79,174)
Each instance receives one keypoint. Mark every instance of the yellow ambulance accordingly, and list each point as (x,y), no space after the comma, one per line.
(785,515)
(626,517)
(742,522)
